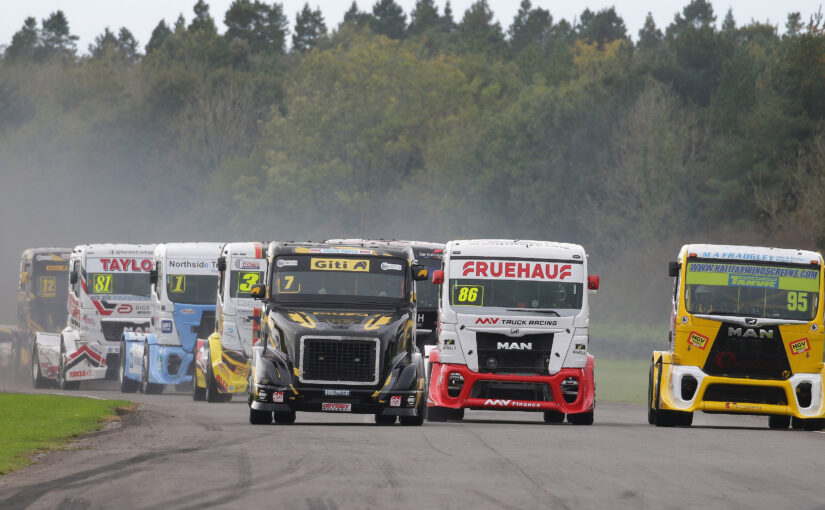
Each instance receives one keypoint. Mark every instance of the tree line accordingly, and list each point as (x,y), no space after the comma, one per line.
(435,125)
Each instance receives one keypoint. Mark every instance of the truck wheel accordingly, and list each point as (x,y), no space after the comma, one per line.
(813,423)
(797,423)
(581,418)
(260,417)
(38,381)
(199,395)
(284,417)
(381,419)
(420,415)
(126,385)
(553,417)
(779,422)
(437,414)
(145,386)
(212,393)
(62,383)
(651,412)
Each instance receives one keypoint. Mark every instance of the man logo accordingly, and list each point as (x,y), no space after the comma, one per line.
(751,322)
(750,333)
(515,346)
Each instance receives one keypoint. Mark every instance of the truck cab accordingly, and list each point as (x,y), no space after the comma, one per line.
(108,293)
(338,334)
(746,337)
(222,361)
(514,331)
(183,282)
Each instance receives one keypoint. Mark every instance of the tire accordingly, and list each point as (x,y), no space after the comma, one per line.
(145,386)
(62,383)
(797,423)
(581,418)
(259,417)
(284,417)
(813,424)
(38,381)
(651,412)
(420,415)
(442,414)
(212,393)
(381,419)
(553,417)
(673,418)
(199,395)
(126,385)
(779,422)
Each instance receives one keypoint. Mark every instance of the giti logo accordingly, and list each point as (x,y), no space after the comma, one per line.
(750,333)
(359,265)
(518,346)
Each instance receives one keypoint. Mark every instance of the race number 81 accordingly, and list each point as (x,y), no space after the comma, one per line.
(468,295)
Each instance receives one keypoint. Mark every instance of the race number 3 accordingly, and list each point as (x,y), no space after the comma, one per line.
(470,295)
(246,280)
(102,283)
(177,284)
(798,301)
(48,289)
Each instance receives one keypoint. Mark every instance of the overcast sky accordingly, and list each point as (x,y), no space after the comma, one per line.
(88,18)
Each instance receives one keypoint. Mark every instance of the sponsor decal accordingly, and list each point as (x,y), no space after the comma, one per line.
(88,320)
(336,407)
(57,267)
(498,321)
(697,340)
(286,263)
(80,373)
(51,257)
(191,264)
(125,308)
(750,256)
(516,270)
(395,401)
(187,311)
(386,266)
(449,344)
(800,346)
(165,326)
(742,407)
(355,265)
(411,400)
(278,396)
(487,320)
(496,402)
(354,251)
(515,346)
(337,393)
(131,265)
(248,264)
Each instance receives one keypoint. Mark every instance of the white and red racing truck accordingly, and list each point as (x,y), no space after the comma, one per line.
(108,294)
(513,331)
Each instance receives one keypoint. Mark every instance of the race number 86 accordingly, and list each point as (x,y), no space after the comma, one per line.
(469,295)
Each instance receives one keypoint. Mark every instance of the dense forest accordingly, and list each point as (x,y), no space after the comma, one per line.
(428,124)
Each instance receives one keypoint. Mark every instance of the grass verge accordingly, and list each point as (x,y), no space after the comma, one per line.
(621,380)
(35,423)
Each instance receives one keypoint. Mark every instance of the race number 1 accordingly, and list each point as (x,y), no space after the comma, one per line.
(468,295)
(177,284)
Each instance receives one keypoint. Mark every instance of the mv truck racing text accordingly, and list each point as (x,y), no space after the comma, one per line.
(182,298)
(108,293)
(513,331)
(746,337)
(338,334)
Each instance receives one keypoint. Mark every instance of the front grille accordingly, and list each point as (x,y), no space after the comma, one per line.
(754,353)
(339,359)
(499,353)
(538,392)
(746,394)
(113,330)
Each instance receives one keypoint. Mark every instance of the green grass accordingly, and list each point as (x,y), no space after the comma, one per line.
(621,380)
(34,423)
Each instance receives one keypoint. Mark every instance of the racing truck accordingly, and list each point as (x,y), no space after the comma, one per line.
(108,293)
(222,363)
(338,334)
(41,300)
(746,337)
(183,280)
(513,331)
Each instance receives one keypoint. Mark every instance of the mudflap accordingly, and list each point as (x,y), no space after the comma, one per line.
(46,349)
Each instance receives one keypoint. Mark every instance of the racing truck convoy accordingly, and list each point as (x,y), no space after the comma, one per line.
(338,334)
(41,300)
(746,337)
(222,363)
(182,299)
(108,294)
(513,331)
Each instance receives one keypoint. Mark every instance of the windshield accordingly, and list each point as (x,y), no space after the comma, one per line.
(118,286)
(298,278)
(51,279)
(426,291)
(753,290)
(192,289)
(241,283)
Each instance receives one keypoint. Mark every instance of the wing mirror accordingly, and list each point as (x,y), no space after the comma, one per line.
(673,269)
(592,282)
(153,276)
(221,263)
(24,277)
(420,273)
(73,277)
(438,277)
(258,292)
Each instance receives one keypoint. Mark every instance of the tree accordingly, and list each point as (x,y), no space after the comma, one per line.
(388,19)
(729,24)
(530,27)
(309,28)
(104,45)
(56,37)
(159,34)
(24,42)
(264,28)
(477,31)
(127,44)
(794,25)
(601,27)
(650,36)
(423,17)
(353,16)
(202,20)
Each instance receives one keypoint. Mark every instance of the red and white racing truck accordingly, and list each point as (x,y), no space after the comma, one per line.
(108,294)
(513,331)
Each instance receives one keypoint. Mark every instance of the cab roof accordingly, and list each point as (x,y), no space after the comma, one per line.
(749,253)
(31,252)
(366,249)
(248,249)
(515,247)
(188,250)
(114,249)
(420,248)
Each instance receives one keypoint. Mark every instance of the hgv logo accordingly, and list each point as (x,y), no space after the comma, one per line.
(518,346)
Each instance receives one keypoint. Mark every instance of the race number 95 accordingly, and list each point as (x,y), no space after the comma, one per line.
(798,301)
(470,295)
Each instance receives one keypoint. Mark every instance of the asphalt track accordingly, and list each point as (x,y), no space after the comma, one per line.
(174,453)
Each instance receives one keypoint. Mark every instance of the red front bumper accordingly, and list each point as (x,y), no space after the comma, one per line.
(585,400)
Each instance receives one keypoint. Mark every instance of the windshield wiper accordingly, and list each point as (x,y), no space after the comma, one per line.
(539,310)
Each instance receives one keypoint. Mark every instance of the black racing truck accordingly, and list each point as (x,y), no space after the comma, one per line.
(337,334)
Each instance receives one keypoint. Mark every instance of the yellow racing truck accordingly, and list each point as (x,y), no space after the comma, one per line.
(746,337)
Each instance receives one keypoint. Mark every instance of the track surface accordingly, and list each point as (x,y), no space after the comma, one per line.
(176,453)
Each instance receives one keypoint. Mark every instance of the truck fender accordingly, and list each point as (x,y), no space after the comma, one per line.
(133,350)
(47,348)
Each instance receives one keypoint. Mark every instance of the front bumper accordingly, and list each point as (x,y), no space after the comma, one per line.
(584,401)
(341,400)
(169,364)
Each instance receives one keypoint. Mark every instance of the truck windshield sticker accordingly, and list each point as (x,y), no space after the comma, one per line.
(752,290)
(469,295)
(288,285)
(246,280)
(118,286)
(532,270)
(516,294)
(101,283)
(360,265)
(177,284)
(193,289)
(48,288)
